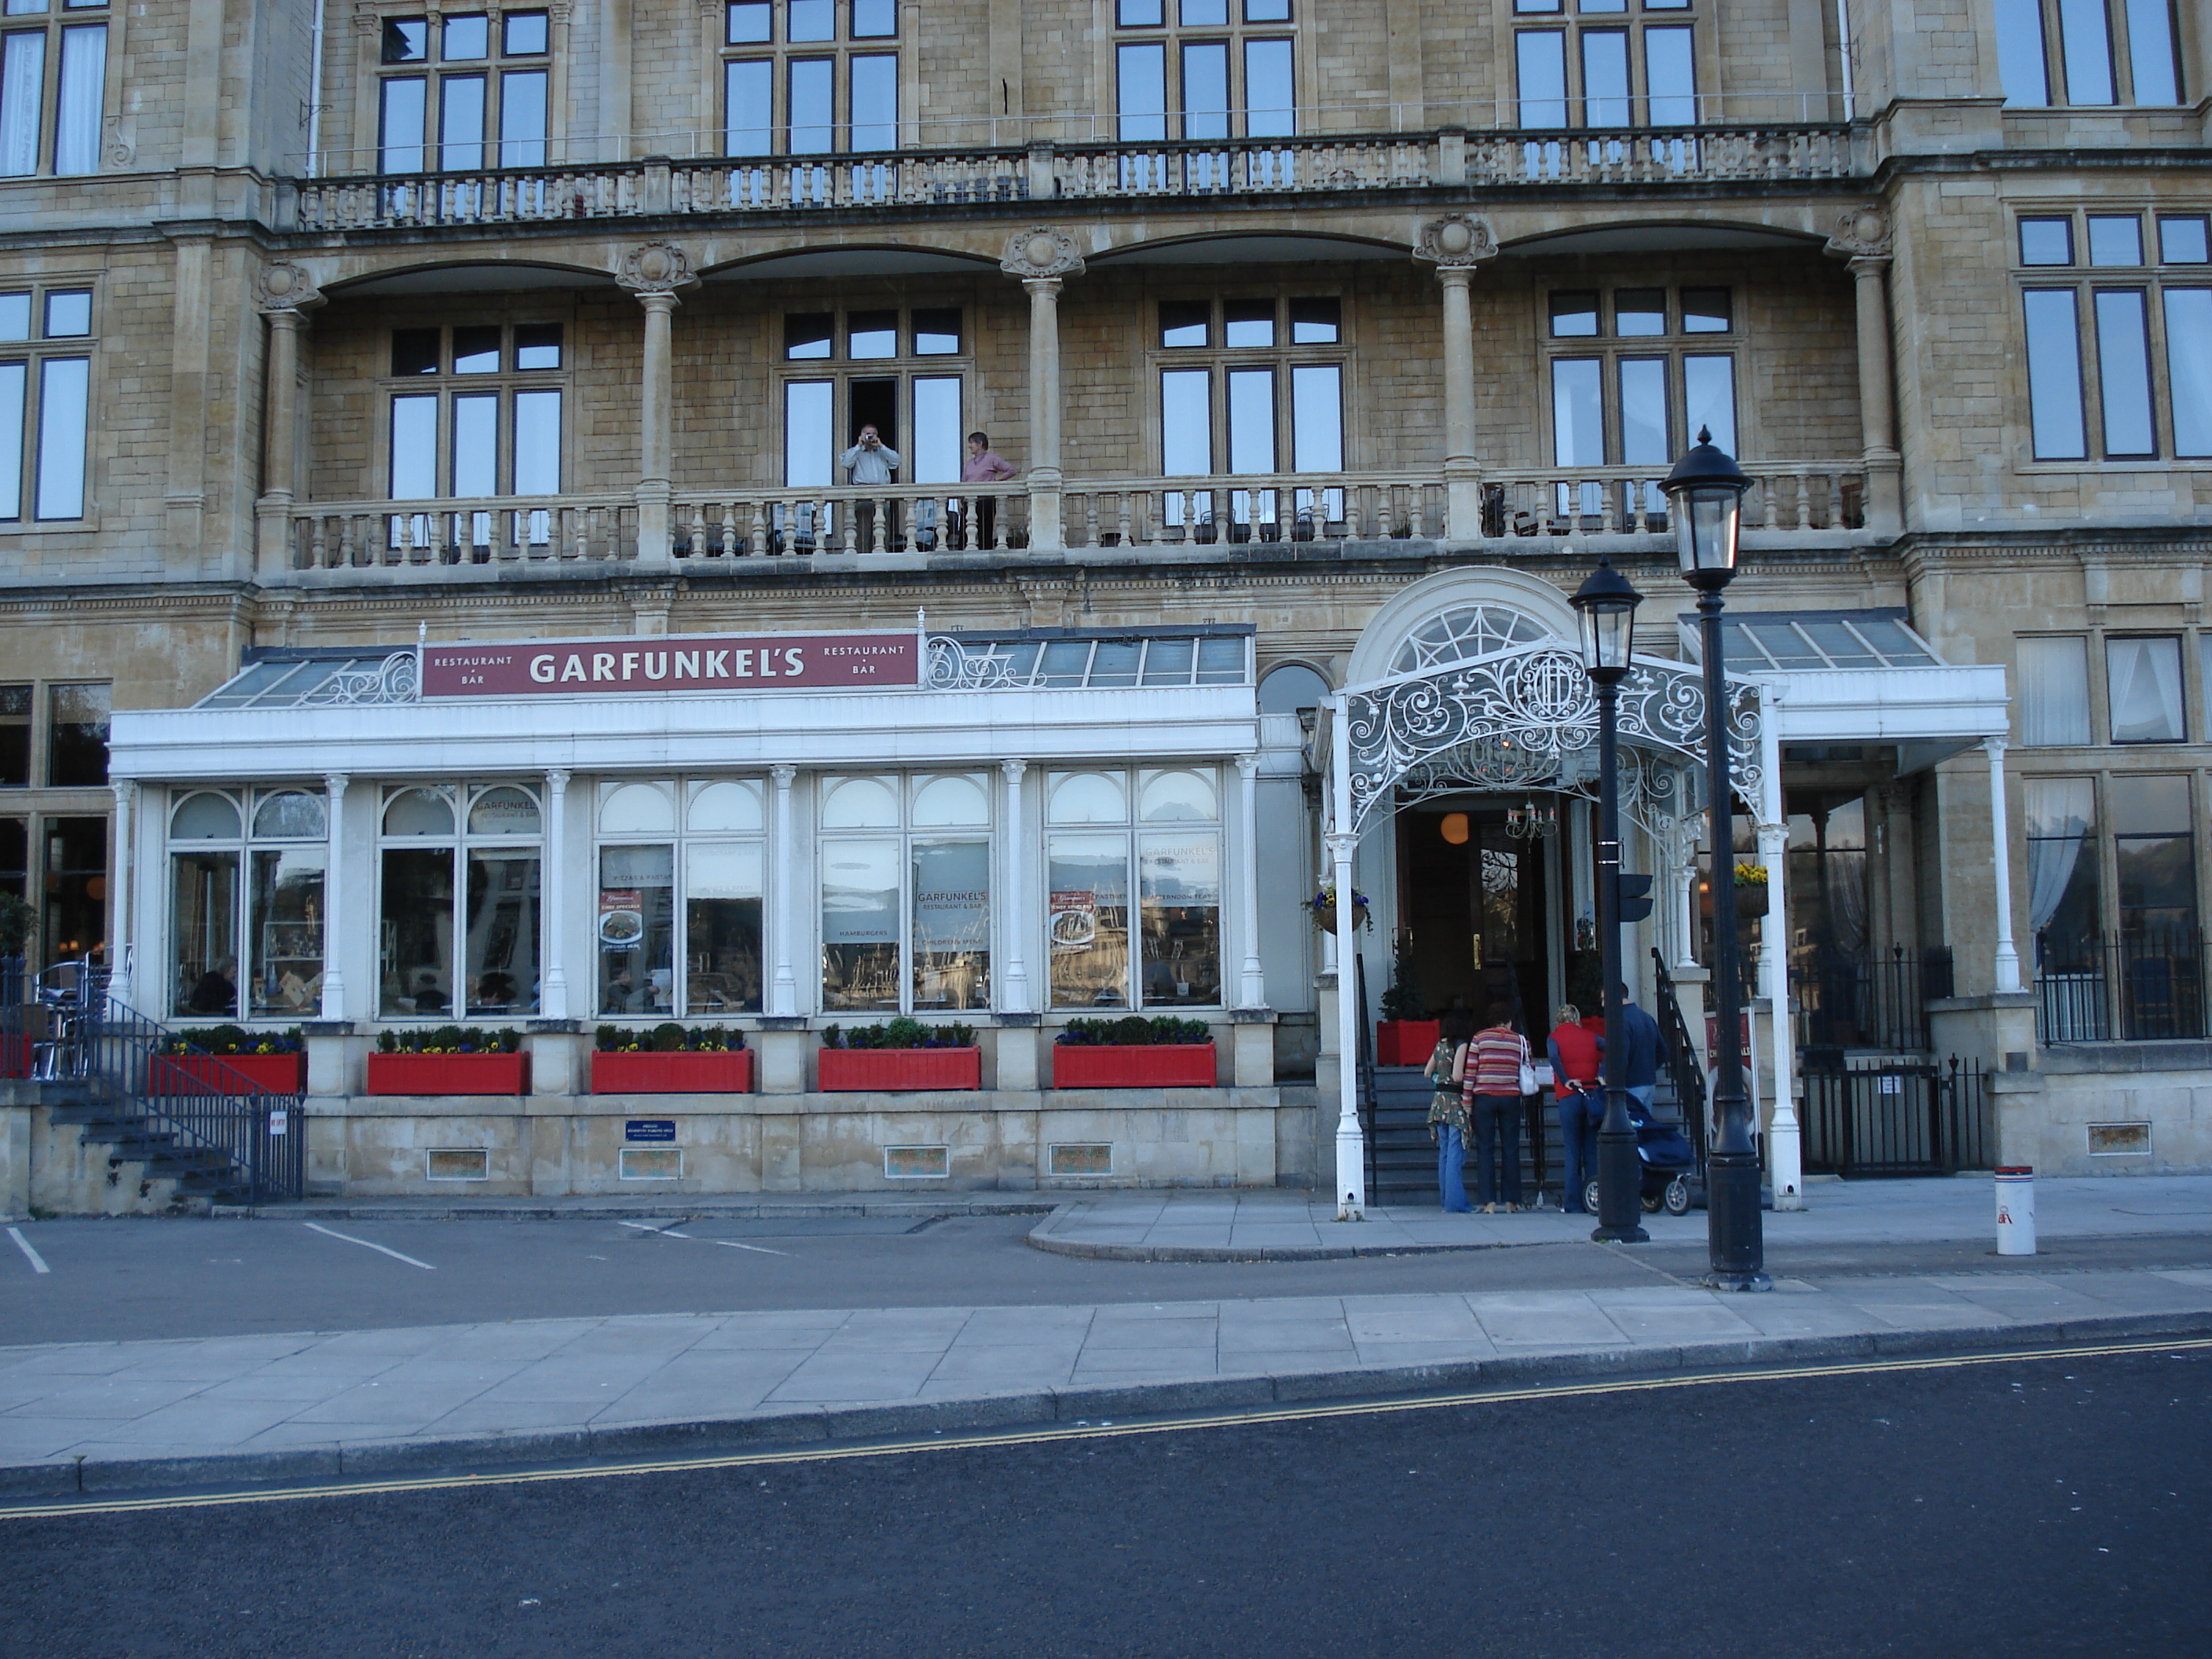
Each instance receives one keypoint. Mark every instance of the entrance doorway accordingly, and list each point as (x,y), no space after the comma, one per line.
(1484,909)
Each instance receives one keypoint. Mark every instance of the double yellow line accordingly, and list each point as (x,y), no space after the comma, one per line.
(1059,1431)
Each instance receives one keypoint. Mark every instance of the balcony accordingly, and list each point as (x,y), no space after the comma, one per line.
(1521,511)
(1079,172)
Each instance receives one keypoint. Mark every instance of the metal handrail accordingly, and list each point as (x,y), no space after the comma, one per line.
(207,1106)
(1681,1058)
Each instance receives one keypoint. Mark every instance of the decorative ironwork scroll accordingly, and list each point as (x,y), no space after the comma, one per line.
(397,678)
(953,667)
(1527,718)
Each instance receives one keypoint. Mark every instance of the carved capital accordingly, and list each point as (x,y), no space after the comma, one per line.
(1863,233)
(657,268)
(1457,239)
(1039,251)
(1012,769)
(284,286)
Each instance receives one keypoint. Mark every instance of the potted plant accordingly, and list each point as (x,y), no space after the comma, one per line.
(449,1060)
(1404,1036)
(225,1060)
(1163,1052)
(1321,907)
(671,1059)
(901,1053)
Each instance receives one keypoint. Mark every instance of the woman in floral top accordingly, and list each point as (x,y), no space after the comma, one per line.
(1448,1111)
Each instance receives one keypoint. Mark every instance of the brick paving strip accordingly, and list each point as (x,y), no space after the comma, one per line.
(127,1416)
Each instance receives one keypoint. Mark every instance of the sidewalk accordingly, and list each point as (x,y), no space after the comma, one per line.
(1182,1225)
(108,1417)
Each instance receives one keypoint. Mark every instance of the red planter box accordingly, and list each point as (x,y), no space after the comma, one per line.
(449,1074)
(14,1056)
(1133,1066)
(846,1069)
(1406,1042)
(718,1071)
(198,1074)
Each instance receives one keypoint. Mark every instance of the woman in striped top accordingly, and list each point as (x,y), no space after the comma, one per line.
(1494,1060)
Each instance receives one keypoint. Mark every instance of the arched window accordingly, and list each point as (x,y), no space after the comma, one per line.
(1465,634)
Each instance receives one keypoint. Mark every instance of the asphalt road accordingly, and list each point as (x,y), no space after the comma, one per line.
(145,1278)
(2047,1507)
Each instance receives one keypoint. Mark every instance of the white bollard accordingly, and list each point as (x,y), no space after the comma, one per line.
(2016,1210)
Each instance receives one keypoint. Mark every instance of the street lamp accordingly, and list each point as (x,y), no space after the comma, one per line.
(1704,494)
(1606,605)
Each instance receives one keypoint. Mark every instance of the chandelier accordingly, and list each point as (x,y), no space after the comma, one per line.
(1529,822)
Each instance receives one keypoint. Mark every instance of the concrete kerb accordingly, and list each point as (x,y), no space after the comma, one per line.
(633,1209)
(858,1426)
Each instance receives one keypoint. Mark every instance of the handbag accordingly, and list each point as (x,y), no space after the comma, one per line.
(1528,1082)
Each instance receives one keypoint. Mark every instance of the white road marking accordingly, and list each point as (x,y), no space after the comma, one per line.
(727,1244)
(316,1227)
(38,1261)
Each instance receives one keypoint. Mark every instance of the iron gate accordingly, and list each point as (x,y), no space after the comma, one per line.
(1894,1118)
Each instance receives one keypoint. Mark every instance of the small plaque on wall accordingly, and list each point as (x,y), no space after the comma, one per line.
(649,1128)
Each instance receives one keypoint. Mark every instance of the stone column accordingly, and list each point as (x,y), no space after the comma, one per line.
(1040,258)
(2006,962)
(1251,978)
(1456,244)
(334,989)
(1785,1162)
(1013,996)
(654,273)
(552,906)
(1863,238)
(1784,1158)
(121,860)
(285,293)
(782,915)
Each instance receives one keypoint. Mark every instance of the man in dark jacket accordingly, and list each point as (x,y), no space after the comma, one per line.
(1642,1048)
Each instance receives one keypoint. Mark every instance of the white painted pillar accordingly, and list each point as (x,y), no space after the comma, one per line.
(1351,1143)
(1014,988)
(1251,979)
(119,930)
(656,427)
(552,899)
(335,785)
(1046,534)
(782,915)
(1463,474)
(2007,962)
(1785,1157)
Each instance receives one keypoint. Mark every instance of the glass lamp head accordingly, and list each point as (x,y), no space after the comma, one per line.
(1606,605)
(1705,493)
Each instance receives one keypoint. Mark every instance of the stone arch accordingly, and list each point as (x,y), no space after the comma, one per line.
(1463,588)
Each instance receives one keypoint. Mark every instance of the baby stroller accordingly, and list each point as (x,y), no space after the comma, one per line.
(1668,1159)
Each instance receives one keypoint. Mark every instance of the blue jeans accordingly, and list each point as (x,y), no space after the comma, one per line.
(1643,1091)
(1498,1140)
(1451,1163)
(1580,1113)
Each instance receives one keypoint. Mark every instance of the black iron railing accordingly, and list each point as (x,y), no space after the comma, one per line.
(1892,1117)
(1680,1055)
(249,1141)
(2129,987)
(1864,999)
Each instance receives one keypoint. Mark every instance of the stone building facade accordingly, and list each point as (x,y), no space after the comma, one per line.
(1339,340)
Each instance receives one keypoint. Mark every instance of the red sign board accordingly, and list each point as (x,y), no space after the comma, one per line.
(705,662)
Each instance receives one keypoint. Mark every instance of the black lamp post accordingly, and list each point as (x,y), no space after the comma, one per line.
(1705,493)
(1606,605)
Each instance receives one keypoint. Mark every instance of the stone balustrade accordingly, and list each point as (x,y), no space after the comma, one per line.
(1786,498)
(1083,172)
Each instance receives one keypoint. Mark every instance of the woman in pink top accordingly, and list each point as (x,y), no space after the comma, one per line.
(1494,1060)
(982,466)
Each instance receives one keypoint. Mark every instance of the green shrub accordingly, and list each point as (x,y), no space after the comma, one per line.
(450,1040)
(900,1033)
(233,1040)
(668,1038)
(1135,1032)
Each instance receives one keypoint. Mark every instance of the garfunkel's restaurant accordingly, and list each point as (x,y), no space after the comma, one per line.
(773,834)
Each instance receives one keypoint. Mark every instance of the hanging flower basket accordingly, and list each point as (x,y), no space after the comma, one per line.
(1750,875)
(1321,907)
